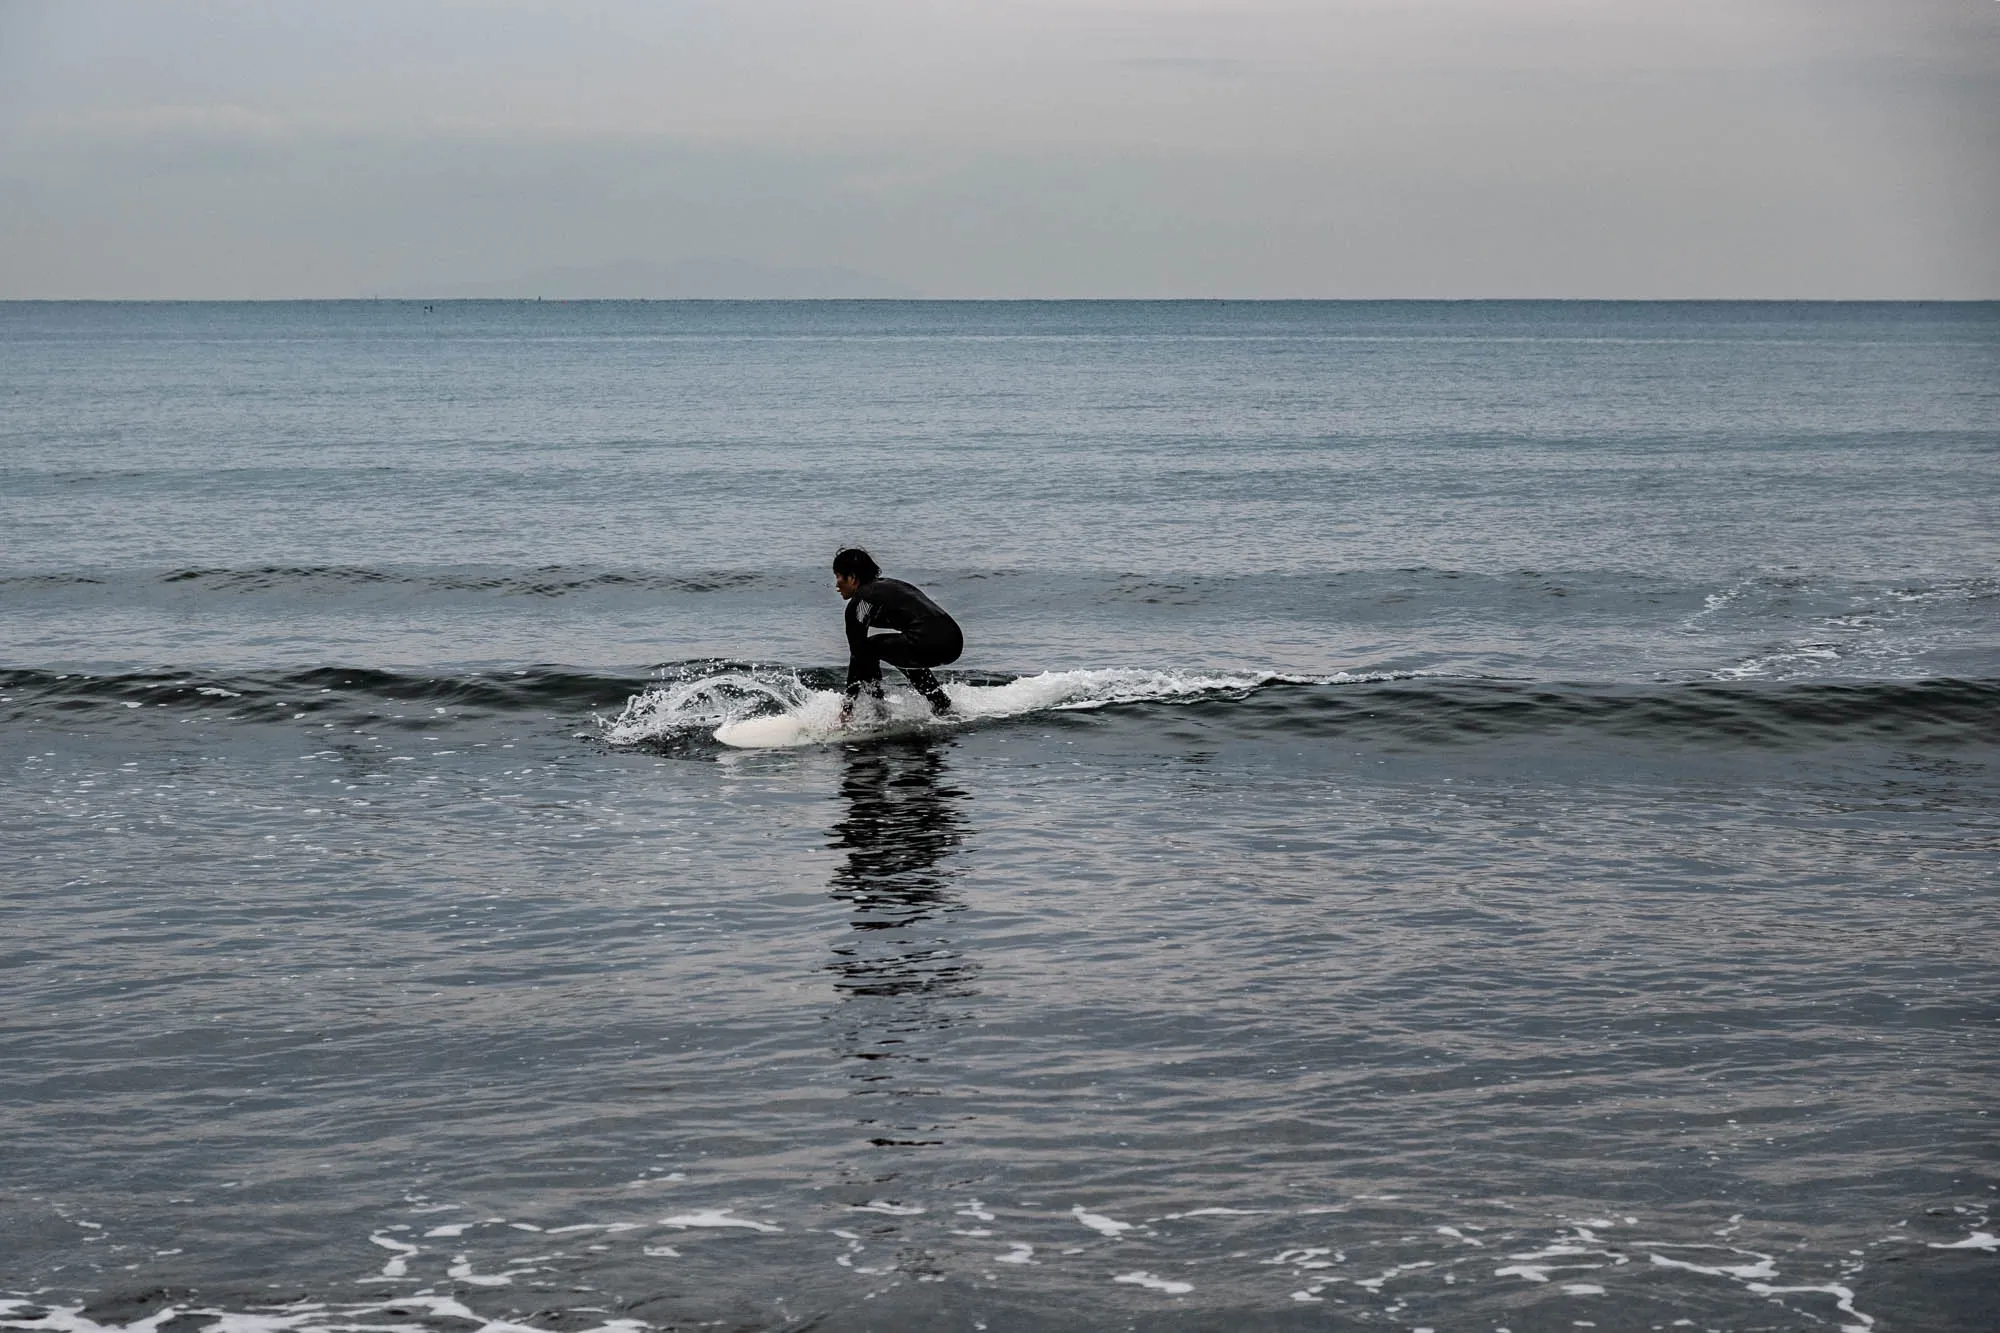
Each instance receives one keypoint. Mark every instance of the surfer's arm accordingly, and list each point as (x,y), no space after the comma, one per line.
(862,665)
(864,669)
(855,685)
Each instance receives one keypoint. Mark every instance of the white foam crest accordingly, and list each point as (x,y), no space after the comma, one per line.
(716,1217)
(1843,1301)
(703,703)
(1375,1283)
(1095,688)
(1102,686)
(1978,1240)
(399,1265)
(1765,1266)
(461,1271)
(1153,1282)
(303,1317)
(1783,664)
(267,1323)
(1098,1222)
(761,709)
(1309,1256)
(1533,1266)
(1215,1212)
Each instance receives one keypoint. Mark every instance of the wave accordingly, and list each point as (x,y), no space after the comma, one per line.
(1411,707)
(543,581)
(1768,715)
(317,688)
(684,703)
(1397,594)
(711,703)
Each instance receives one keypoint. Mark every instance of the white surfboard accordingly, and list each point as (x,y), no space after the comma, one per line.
(774,731)
(817,722)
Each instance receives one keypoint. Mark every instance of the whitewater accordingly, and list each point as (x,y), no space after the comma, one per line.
(720,702)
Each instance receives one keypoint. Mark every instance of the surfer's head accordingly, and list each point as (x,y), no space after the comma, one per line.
(853,567)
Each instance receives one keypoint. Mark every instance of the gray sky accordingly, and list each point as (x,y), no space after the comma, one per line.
(1006,148)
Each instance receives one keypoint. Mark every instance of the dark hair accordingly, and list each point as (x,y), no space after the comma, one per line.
(857,564)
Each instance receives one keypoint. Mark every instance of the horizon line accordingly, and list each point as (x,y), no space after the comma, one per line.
(1000,300)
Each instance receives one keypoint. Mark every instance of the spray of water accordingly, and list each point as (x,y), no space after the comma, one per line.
(721,702)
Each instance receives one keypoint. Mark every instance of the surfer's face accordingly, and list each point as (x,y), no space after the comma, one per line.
(846,585)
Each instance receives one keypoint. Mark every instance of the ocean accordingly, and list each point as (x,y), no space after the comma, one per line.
(1462,816)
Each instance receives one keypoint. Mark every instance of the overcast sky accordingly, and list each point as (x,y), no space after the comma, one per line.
(1005,148)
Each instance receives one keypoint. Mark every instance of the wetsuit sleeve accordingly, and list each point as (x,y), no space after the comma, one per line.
(862,666)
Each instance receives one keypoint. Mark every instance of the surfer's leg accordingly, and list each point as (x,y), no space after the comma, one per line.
(927,685)
(915,658)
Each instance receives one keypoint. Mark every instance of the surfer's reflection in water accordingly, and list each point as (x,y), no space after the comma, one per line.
(902,983)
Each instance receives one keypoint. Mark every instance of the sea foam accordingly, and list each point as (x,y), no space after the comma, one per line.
(713,702)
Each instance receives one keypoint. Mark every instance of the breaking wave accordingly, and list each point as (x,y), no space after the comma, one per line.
(689,702)
(714,703)
(332,581)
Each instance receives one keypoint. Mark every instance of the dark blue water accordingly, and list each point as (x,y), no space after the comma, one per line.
(1462,817)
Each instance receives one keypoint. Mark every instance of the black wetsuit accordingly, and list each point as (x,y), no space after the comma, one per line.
(890,621)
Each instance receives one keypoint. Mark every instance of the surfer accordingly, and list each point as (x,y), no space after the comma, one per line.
(890,621)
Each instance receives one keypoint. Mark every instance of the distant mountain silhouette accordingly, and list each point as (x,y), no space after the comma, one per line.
(713,279)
